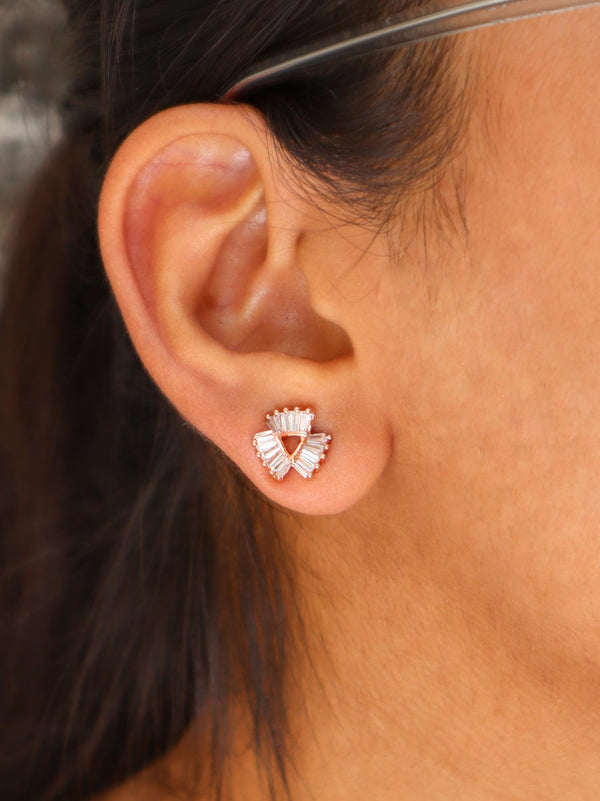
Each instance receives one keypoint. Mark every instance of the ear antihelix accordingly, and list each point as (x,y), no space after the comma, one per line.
(215,174)
(199,237)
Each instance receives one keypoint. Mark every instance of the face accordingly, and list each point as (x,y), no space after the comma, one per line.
(474,326)
(485,336)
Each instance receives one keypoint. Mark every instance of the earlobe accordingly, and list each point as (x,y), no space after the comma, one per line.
(200,241)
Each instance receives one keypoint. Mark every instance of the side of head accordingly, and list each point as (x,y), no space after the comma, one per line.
(376,242)
(238,244)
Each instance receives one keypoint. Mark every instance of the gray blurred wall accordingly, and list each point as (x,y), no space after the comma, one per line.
(31,84)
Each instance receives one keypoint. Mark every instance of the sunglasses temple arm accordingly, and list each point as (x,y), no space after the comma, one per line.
(398,32)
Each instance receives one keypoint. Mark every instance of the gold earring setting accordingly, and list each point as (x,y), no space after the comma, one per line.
(309,452)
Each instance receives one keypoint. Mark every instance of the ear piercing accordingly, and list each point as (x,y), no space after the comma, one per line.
(308,453)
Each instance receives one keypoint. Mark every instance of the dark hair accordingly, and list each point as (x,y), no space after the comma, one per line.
(143,584)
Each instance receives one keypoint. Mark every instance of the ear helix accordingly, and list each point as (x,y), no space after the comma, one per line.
(309,452)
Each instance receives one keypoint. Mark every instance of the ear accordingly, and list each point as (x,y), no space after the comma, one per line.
(202,234)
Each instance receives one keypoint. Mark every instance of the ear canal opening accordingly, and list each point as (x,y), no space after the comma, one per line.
(250,309)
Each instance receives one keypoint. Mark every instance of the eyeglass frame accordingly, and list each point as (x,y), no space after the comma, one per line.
(420,24)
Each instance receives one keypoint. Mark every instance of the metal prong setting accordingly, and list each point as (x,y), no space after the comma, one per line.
(309,454)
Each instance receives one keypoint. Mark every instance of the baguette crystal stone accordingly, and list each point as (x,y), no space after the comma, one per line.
(307,456)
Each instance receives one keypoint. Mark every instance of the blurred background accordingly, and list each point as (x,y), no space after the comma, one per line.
(31,85)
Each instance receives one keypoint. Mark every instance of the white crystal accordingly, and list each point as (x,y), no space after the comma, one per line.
(277,460)
(283,469)
(301,468)
(304,422)
(271,453)
(265,437)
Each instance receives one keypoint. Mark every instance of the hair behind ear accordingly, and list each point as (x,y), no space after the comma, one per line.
(119,618)
(140,579)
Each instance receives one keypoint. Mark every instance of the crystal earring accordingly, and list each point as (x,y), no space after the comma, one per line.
(308,453)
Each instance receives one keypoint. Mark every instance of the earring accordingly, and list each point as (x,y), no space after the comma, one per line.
(309,452)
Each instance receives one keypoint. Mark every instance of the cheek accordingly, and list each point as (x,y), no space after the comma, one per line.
(500,454)
(501,390)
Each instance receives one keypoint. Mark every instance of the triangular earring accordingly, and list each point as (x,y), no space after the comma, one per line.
(307,456)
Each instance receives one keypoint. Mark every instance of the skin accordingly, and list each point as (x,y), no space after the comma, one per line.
(449,552)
